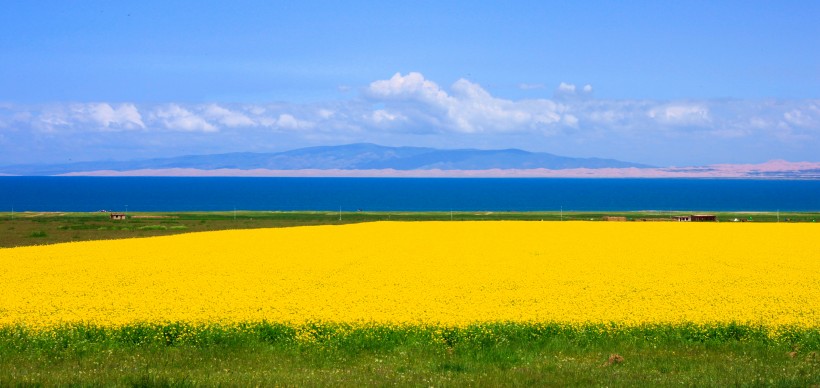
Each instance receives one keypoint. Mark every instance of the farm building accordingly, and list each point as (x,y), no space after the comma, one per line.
(697,218)
(117,216)
(614,218)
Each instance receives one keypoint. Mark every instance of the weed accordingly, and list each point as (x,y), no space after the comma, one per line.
(152,227)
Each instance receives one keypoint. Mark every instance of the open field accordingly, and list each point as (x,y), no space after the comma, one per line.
(451,273)
(37,228)
(433,303)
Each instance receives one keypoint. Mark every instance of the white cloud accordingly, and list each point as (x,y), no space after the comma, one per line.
(683,114)
(227,117)
(568,91)
(175,117)
(266,121)
(606,117)
(469,109)
(807,117)
(409,109)
(475,110)
(411,86)
(384,118)
(124,116)
(570,120)
(82,117)
(288,121)
(410,104)
(566,88)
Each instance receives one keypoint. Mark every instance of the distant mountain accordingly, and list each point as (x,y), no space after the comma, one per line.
(360,156)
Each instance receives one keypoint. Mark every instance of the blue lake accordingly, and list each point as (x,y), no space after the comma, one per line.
(403,194)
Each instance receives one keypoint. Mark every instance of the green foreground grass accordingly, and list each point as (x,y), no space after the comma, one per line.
(37,228)
(497,354)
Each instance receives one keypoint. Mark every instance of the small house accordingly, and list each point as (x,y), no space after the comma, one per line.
(614,218)
(697,218)
(117,216)
(704,218)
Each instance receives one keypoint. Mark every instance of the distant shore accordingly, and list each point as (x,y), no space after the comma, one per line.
(768,170)
(776,169)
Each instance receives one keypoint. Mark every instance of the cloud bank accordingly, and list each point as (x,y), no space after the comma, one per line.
(410,109)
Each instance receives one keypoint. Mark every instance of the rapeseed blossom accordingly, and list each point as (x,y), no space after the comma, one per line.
(442,273)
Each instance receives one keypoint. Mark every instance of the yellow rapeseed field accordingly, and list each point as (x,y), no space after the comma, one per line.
(449,273)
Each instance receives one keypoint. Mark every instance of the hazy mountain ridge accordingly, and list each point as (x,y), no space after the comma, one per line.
(361,156)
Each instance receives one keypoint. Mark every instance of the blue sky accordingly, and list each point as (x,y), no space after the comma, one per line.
(663,83)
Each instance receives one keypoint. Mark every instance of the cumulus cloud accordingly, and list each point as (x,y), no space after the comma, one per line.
(410,109)
(227,117)
(566,88)
(124,115)
(804,117)
(82,117)
(288,121)
(568,91)
(382,117)
(175,117)
(413,86)
(412,104)
(467,108)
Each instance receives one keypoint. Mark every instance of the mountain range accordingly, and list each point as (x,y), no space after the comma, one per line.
(362,156)
(371,160)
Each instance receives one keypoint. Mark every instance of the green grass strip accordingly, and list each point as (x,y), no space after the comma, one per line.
(491,354)
(371,336)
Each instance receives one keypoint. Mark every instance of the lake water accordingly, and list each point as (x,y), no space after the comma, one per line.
(80,194)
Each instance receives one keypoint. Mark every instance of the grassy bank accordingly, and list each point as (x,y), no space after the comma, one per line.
(485,354)
(35,228)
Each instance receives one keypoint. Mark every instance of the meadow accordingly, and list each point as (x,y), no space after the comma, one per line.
(412,303)
(38,228)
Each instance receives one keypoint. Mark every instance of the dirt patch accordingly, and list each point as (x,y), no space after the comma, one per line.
(614,359)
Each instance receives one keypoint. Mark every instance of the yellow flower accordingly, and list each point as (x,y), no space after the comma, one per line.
(449,273)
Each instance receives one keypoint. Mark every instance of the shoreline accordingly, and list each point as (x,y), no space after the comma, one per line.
(773,169)
(166,214)
(133,174)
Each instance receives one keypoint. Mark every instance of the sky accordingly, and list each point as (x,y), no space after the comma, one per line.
(655,82)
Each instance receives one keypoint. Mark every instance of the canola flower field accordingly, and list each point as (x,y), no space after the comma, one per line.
(448,274)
